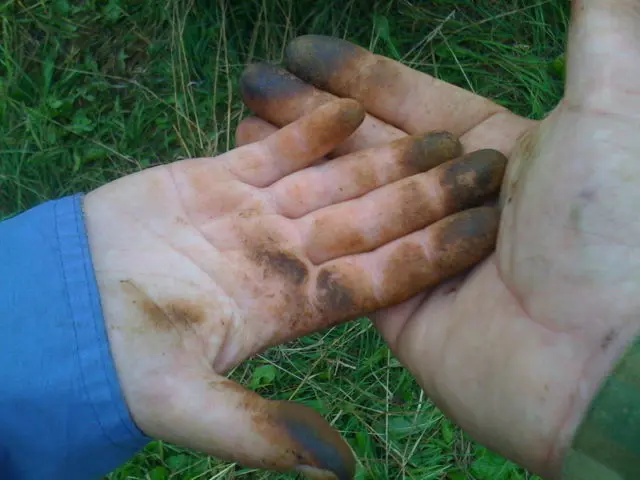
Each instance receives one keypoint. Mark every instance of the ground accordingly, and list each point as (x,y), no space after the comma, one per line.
(91,90)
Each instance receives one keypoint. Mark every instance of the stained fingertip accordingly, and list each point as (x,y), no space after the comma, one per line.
(432,149)
(262,81)
(331,124)
(253,129)
(462,239)
(328,456)
(316,58)
(274,93)
(300,144)
(473,178)
(248,429)
(454,244)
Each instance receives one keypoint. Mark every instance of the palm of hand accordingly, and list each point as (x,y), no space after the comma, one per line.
(205,262)
(516,351)
(537,326)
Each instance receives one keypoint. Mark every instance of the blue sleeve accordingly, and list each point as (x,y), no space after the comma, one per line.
(62,413)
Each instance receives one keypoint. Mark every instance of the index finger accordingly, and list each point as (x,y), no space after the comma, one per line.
(408,99)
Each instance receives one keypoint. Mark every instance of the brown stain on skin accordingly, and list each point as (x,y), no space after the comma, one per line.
(331,237)
(340,67)
(362,172)
(303,436)
(278,96)
(332,294)
(465,182)
(431,149)
(316,59)
(458,242)
(281,263)
(331,124)
(343,68)
(413,209)
(407,270)
(175,314)
(471,179)
(409,155)
(306,299)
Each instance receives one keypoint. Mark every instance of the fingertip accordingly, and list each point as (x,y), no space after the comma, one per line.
(316,58)
(351,113)
(331,457)
(465,238)
(329,125)
(271,92)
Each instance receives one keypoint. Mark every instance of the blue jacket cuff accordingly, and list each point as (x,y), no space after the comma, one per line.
(60,400)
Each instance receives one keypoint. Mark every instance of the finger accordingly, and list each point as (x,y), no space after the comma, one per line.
(280,98)
(223,419)
(253,129)
(361,284)
(296,145)
(400,208)
(410,100)
(354,175)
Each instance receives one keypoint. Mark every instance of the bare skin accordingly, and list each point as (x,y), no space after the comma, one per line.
(515,350)
(205,262)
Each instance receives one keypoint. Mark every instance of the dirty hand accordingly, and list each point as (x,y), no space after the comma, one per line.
(515,350)
(205,262)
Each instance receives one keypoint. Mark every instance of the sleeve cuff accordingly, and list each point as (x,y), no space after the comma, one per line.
(60,397)
(99,376)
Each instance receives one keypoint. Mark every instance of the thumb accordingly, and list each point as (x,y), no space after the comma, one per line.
(218,416)
(603,54)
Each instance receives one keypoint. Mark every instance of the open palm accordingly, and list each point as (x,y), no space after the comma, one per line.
(514,350)
(205,262)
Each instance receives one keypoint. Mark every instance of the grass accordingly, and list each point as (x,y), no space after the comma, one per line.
(94,89)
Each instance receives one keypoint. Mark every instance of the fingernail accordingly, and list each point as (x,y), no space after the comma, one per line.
(326,454)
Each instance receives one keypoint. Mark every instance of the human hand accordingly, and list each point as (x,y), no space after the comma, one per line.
(205,262)
(515,350)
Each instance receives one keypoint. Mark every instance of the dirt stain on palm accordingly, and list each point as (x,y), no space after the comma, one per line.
(281,263)
(178,314)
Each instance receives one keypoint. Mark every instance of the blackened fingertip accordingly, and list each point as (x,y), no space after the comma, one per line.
(432,149)
(318,441)
(262,82)
(472,178)
(315,58)
(469,231)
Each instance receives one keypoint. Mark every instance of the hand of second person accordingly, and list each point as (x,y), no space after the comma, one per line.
(515,351)
(205,262)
